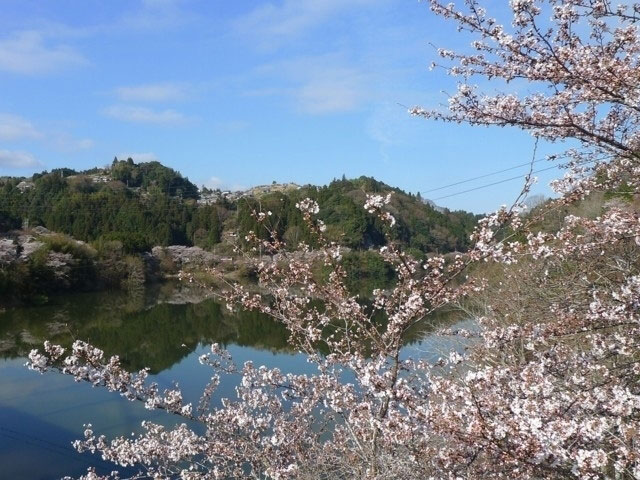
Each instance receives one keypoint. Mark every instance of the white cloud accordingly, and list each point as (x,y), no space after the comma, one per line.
(12,159)
(215,182)
(139,157)
(145,16)
(335,91)
(160,3)
(83,144)
(27,53)
(157,15)
(318,85)
(390,124)
(158,92)
(134,114)
(292,17)
(13,127)
(66,143)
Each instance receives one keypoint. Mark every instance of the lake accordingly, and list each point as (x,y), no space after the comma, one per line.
(164,328)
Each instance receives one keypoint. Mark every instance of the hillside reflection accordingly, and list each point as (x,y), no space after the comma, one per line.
(150,329)
(143,330)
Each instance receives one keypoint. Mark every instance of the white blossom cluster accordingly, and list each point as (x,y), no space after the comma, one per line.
(308,206)
(375,204)
(583,71)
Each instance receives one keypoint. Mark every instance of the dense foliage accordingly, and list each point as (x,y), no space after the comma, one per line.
(126,209)
(146,204)
(55,263)
(420,226)
(153,176)
(156,208)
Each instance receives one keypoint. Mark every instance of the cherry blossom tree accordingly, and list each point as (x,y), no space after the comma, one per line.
(547,386)
(581,61)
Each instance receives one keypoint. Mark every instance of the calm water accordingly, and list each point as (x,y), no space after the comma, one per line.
(41,414)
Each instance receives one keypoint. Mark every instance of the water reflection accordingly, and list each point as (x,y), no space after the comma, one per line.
(154,330)
(145,332)
(165,329)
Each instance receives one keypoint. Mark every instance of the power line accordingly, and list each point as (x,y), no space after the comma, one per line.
(494,183)
(482,176)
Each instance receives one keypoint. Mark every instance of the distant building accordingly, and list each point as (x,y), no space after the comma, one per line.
(100,178)
(25,185)
(272,188)
(209,198)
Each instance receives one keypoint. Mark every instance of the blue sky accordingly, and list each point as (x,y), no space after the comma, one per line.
(239,93)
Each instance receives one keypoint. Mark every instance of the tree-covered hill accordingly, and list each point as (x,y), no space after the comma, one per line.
(148,204)
(420,226)
(153,176)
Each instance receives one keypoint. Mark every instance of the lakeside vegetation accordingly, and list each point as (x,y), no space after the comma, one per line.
(36,263)
(95,229)
(148,204)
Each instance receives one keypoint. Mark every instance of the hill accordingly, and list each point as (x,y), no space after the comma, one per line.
(421,227)
(148,204)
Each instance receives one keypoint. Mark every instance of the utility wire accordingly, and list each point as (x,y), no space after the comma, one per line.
(494,183)
(482,176)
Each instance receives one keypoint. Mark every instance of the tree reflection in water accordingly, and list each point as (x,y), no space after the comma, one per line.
(154,329)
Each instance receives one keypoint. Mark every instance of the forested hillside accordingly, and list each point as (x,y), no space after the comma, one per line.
(141,205)
(421,227)
(147,204)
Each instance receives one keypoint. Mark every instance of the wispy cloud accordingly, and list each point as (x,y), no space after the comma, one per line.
(14,127)
(145,16)
(28,53)
(13,159)
(67,143)
(333,91)
(128,113)
(139,157)
(42,49)
(215,182)
(390,124)
(153,92)
(156,15)
(277,22)
(318,85)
